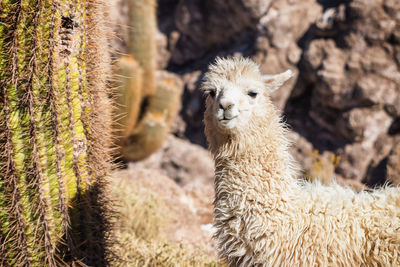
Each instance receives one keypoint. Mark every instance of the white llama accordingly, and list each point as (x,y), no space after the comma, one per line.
(264,216)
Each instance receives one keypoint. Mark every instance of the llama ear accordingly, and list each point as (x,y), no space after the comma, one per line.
(273,82)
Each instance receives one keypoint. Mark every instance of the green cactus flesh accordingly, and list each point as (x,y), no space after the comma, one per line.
(48,145)
(145,109)
(142,44)
(128,85)
(154,127)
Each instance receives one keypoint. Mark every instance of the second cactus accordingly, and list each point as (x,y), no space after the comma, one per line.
(147,105)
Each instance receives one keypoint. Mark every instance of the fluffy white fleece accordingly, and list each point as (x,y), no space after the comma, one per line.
(264,215)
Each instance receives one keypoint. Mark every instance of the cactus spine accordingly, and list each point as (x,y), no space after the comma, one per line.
(53,144)
(146,108)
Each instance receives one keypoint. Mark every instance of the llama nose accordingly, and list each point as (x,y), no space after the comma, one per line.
(226,104)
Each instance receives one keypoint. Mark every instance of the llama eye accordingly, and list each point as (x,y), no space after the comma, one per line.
(211,93)
(252,94)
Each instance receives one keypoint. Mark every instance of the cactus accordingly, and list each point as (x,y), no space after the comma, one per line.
(128,85)
(142,44)
(153,128)
(54,116)
(146,108)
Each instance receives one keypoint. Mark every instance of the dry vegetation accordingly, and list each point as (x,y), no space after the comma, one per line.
(323,167)
(138,231)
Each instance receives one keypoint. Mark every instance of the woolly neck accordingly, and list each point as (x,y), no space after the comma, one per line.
(254,166)
(263,146)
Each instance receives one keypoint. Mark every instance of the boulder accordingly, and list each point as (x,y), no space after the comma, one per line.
(204,24)
(393,165)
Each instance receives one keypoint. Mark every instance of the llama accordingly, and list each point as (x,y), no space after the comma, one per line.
(264,215)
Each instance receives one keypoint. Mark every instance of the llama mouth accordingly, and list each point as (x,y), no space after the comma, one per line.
(224,119)
(228,123)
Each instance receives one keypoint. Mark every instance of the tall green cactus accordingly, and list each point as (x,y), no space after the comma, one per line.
(54,121)
(146,107)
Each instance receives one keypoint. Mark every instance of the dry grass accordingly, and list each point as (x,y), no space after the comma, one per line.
(138,231)
(133,251)
(323,167)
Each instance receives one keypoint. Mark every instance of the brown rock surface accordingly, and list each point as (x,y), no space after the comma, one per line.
(203,24)
(364,124)
(393,165)
(345,96)
(182,161)
(279,31)
(354,76)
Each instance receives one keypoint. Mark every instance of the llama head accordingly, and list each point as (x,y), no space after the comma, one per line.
(238,94)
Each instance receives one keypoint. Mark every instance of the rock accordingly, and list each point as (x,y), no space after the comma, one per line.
(393,165)
(395,127)
(276,45)
(352,72)
(176,159)
(331,20)
(193,108)
(354,184)
(366,161)
(377,170)
(178,127)
(327,69)
(367,94)
(356,66)
(382,147)
(204,24)
(301,151)
(286,21)
(163,54)
(341,80)
(371,19)
(363,124)
(355,159)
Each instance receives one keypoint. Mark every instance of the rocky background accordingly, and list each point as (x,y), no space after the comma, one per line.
(343,103)
(345,97)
